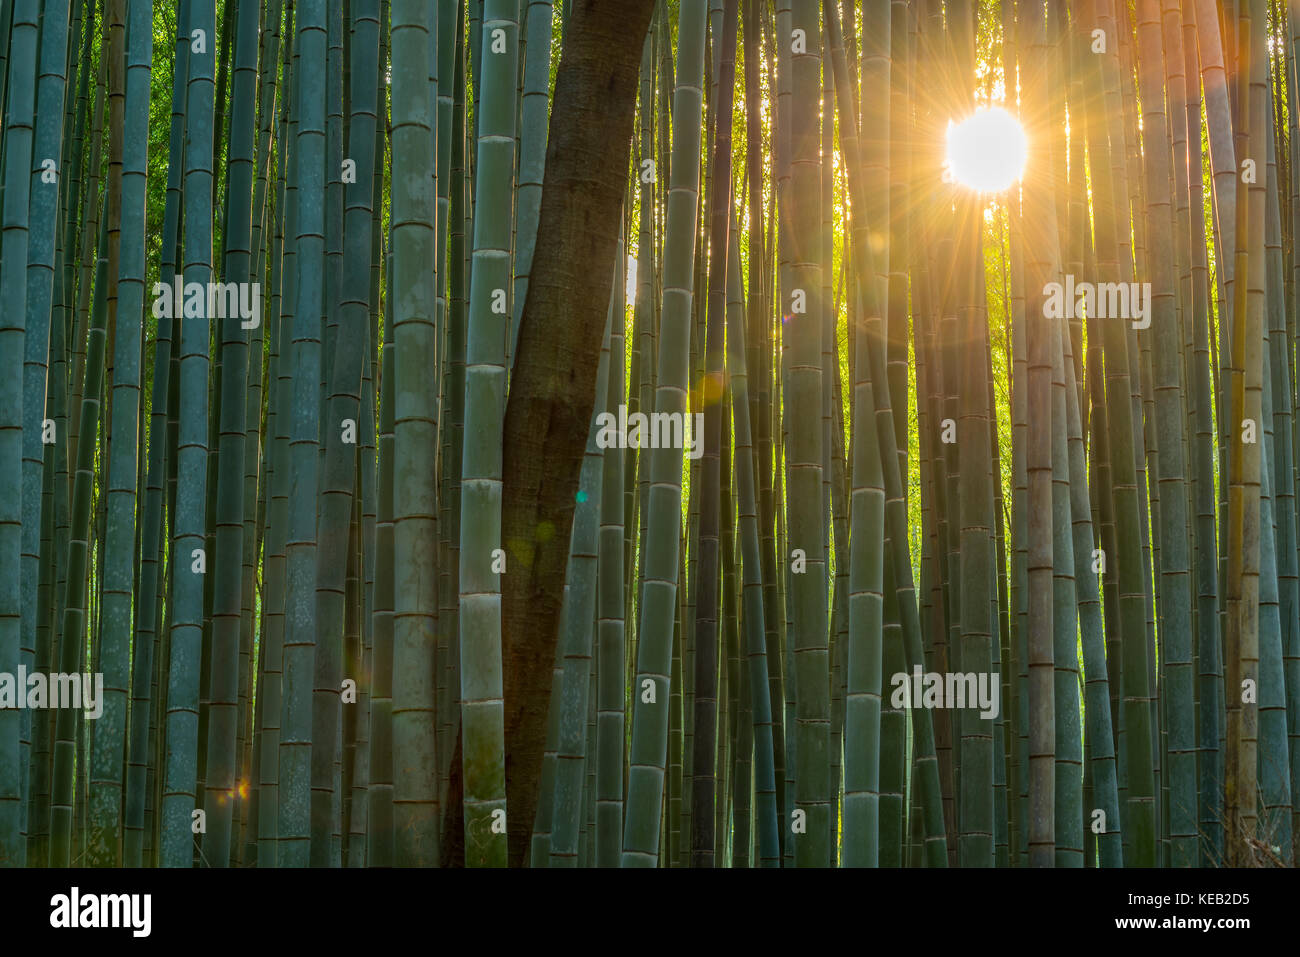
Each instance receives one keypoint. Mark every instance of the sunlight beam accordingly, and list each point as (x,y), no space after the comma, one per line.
(986,151)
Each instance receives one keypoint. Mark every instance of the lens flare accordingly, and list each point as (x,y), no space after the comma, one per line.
(986,151)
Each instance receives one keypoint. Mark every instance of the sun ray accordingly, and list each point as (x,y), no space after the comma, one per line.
(986,151)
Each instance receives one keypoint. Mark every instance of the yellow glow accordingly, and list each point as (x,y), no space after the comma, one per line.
(986,151)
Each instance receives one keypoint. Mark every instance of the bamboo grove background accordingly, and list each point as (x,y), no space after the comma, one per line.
(283,545)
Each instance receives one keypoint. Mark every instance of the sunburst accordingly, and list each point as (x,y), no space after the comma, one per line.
(986,151)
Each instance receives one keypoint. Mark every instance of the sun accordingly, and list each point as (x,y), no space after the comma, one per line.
(986,151)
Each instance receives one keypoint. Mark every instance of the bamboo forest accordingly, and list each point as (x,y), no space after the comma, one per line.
(649,433)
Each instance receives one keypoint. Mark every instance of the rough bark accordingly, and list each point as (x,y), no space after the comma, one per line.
(553,385)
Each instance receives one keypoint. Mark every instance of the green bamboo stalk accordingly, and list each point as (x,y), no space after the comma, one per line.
(586,839)
(280,372)
(44,213)
(1098,734)
(187,583)
(1135,726)
(1241,640)
(899,578)
(804,462)
(56,461)
(459,230)
(733,822)
(580,593)
(705,625)
(662,542)
(1207,641)
(534,107)
(1069,757)
(21,88)
(87,233)
(75,600)
(144,702)
(540,846)
(359,844)
(1274,767)
(220,779)
(256,487)
(766,426)
(342,423)
(459,253)
(1175,571)
(6,27)
(380,836)
(299,648)
(415,758)
(1292,650)
(766,820)
(1277,721)
(336,477)
(978,571)
(450,43)
(1042,264)
(118,572)
(482,704)
(610,621)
